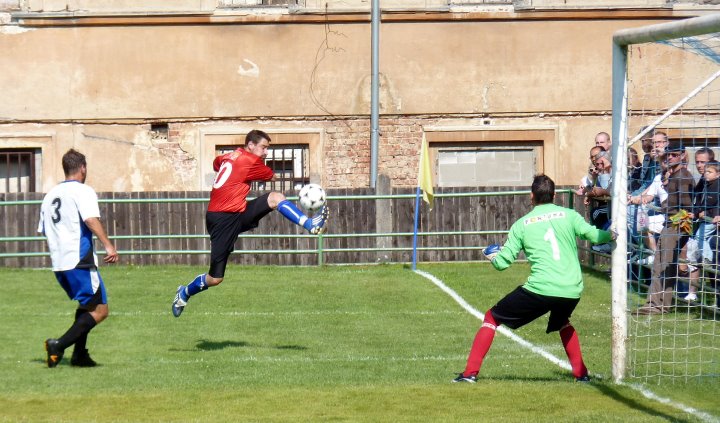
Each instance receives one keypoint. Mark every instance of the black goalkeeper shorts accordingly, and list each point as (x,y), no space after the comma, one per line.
(224,229)
(521,307)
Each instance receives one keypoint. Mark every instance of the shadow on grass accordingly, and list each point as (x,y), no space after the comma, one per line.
(605,387)
(516,378)
(611,392)
(206,345)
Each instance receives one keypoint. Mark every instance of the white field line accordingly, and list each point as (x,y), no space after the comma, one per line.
(553,359)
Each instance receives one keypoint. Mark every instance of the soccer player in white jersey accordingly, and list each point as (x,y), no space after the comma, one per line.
(69,216)
(547,235)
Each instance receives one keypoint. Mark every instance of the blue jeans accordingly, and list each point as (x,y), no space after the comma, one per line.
(704,233)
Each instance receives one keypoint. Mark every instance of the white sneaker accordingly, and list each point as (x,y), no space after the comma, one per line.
(690,297)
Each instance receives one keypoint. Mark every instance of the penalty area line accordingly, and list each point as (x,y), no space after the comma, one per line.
(553,359)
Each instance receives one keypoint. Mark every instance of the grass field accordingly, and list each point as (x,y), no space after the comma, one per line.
(368,344)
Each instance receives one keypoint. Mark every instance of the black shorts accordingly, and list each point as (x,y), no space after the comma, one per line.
(224,229)
(521,307)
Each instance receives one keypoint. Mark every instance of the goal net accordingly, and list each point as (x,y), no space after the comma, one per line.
(666,114)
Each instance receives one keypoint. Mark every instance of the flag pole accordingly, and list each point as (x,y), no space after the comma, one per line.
(415,229)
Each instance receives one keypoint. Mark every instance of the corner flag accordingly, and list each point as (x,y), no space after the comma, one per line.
(425,182)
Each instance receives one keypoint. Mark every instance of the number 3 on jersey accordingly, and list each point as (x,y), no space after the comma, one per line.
(222,175)
(550,237)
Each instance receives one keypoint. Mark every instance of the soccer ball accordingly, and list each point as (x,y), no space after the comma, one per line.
(312,197)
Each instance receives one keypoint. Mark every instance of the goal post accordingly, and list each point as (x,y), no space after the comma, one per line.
(669,113)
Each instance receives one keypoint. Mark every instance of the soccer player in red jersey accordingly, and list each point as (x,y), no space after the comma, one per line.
(230,213)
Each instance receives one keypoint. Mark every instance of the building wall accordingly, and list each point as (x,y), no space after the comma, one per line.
(96,83)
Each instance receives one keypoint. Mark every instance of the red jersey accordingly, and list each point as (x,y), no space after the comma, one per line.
(235,172)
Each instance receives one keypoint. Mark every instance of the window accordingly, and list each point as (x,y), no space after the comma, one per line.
(288,161)
(485,164)
(489,157)
(17,170)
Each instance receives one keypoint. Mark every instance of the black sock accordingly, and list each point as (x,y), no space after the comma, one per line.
(82,325)
(82,340)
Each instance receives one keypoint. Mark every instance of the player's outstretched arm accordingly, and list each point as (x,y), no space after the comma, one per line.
(111,254)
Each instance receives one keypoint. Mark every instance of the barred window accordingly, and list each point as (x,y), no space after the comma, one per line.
(288,161)
(17,170)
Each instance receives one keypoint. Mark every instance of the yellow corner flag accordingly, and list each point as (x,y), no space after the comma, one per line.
(425,181)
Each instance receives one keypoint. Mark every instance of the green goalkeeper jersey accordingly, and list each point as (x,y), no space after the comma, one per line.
(548,236)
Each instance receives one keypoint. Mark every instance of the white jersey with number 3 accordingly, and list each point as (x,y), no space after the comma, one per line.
(62,219)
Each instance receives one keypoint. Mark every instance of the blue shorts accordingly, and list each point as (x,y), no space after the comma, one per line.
(83,285)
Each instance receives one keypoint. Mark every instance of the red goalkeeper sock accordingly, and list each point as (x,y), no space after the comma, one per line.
(572,349)
(481,345)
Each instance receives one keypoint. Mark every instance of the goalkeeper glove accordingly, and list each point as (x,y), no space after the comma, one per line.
(491,251)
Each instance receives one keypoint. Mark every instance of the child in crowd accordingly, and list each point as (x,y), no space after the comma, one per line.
(707,211)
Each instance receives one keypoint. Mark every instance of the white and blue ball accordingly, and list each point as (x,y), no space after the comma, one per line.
(312,197)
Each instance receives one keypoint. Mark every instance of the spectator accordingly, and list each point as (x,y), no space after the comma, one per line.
(634,170)
(679,185)
(650,164)
(649,200)
(589,180)
(647,174)
(598,197)
(707,210)
(602,139)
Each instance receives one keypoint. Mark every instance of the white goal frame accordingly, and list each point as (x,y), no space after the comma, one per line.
(621,40)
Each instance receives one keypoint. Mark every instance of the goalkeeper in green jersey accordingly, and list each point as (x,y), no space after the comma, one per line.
(547,235)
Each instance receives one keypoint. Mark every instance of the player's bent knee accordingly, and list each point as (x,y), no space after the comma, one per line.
(275,198)
(100,313)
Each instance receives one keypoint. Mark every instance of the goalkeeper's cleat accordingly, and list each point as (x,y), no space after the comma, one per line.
(465,379)
(82,359)
(180,301)
(54,352)
(319,220)
(585,379)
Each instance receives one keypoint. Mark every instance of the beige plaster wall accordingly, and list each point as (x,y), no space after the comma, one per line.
(219,71)
(98,87)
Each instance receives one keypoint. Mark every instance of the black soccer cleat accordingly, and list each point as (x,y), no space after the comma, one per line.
(54,352)
(584,379)
(82,359)
(465,379)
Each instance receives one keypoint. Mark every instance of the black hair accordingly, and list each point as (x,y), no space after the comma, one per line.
(543,189)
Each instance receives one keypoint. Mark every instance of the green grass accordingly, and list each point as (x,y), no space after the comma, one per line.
(358,343)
